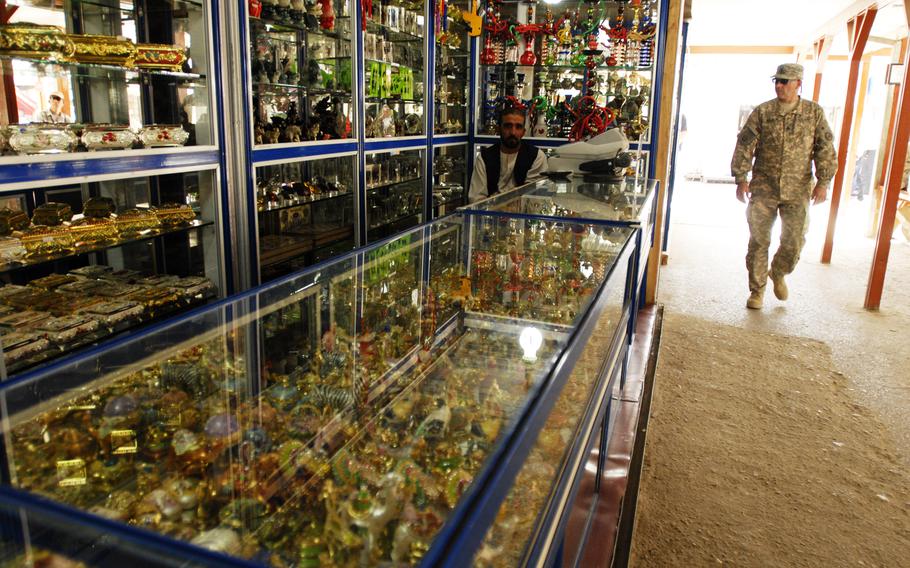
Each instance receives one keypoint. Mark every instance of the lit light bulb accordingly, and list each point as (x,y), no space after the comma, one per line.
(587,270)
(530,340)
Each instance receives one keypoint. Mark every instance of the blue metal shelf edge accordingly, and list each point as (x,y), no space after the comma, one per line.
(86,165)
(289,152)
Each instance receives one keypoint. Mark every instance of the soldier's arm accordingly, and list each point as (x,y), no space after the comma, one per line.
(746,142)
(824,155)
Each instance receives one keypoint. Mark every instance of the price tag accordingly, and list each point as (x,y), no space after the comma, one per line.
(71,472)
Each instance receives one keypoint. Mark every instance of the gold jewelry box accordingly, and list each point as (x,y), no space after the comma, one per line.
(12,220)
(174,215)
(160,56)
(35,41)
(52,214)
(133,222)
(43,241)
(103,50)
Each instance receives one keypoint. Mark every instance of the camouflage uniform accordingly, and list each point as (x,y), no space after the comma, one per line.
(784,145)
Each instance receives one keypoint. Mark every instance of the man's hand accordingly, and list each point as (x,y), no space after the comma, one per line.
(819,194)
(742,191)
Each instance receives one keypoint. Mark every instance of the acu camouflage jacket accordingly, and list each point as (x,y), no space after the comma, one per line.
(784,147)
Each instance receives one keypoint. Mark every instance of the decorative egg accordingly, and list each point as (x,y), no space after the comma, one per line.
(121,405)
(221,426)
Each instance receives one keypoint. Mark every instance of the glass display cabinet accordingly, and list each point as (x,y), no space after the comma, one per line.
(301,70)
(104,75)
(305,213)
(628,202)
(450,178)
(80,263)
(563,63)
(452,68)
(373,410)
(394,69)
(395,183)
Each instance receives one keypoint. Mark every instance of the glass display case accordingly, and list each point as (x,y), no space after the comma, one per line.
(395,186)
(305,213)
(592,60)
(371,410)
(98,75)
(301,70)
(450,178)
(452,68)
(80,263)
(394,68)
(627,201)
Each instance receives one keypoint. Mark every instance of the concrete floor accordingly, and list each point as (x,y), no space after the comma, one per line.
(706,277)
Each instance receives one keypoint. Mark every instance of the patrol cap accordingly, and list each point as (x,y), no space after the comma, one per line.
(789,71)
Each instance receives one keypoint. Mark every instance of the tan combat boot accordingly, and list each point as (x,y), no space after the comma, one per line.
(755,300)
(780,287)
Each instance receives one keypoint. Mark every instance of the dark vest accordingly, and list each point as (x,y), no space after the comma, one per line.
(526,156)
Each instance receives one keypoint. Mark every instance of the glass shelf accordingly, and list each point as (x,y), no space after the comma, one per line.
(143,236)
(304,201)
(391,183)
(82,70)
(284,26)
(392,35)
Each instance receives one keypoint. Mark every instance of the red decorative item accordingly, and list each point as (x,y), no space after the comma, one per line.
(488,55)
(590,118)
(528,57)
(611,61)
(327,20)
(366,11)
(255,8)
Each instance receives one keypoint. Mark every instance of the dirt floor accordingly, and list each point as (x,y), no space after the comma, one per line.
(770,459)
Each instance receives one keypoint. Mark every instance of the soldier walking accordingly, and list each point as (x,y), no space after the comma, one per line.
(780,142)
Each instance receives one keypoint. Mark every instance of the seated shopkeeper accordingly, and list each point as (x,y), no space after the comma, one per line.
(508,163)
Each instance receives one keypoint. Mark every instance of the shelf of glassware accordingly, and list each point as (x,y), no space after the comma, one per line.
(292,405)
(395,186)
(450,178)
(97,260)
(305,213)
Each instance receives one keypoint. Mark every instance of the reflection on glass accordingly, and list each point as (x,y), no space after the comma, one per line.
(450,177)
(306,213)
(395,187)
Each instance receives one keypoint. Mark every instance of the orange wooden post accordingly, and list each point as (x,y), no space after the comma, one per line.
(821,47)
(889,140)
(858,29)
(896,159)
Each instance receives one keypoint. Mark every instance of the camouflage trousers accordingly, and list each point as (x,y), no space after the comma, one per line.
(761,213)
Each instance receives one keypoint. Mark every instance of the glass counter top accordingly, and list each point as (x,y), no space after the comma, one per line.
(625,201)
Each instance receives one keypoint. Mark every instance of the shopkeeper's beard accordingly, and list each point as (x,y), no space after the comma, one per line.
(511,142)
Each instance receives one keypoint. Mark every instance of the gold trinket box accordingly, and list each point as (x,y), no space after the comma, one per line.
(66,329)
(35,41)
(175,215)
(154,298)
(111,314)
(21,319)
(91,232)
(92,271)
(52,214)
(43,241)
(11,250)
(12,220)
(103,50)
(19,346)
(160,56)
(99,207)
(52,282)
(134,222)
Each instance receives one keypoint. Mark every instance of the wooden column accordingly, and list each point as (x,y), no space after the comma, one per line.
(821,47)
(896,159)
(894,103)
(858,29)
(664,139)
